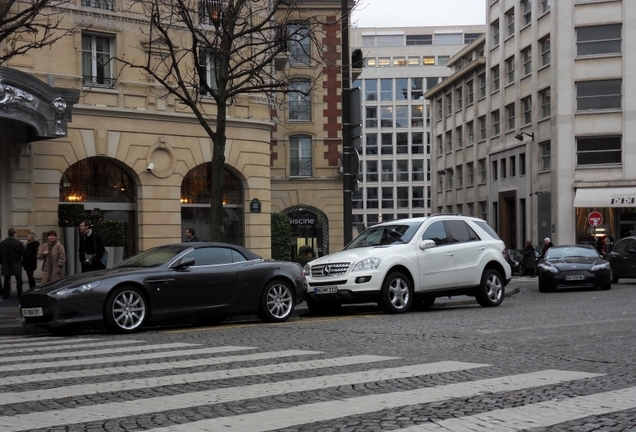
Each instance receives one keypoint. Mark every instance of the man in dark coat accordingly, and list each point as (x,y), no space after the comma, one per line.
(191,236)
(529,264)
(31,258)
(91,248)
(12,251)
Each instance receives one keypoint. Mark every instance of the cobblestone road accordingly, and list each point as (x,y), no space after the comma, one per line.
(541,362)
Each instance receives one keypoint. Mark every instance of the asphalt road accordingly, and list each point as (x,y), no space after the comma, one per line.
(543,361)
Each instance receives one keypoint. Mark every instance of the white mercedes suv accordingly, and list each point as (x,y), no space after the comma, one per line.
(407,263)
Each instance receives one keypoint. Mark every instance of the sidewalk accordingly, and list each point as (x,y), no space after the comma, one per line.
(11,323)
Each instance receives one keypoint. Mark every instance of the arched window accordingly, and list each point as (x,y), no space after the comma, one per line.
(196,199)
(96,179)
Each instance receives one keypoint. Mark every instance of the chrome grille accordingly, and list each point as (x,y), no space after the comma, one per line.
(329,270)
(36,301)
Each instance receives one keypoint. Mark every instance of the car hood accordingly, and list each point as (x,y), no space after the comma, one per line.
(82,278)
(358,254)
(575,262)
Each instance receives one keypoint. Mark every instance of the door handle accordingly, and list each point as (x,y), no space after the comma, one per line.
(450,254)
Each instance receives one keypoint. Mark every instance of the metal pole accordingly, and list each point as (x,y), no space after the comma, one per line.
(347,177)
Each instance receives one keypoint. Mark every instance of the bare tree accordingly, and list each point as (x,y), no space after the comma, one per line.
(27,25)
(222,49)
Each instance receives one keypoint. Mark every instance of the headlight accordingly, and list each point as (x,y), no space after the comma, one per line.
(78,289)
(598,267)
(367,264)
(549,268)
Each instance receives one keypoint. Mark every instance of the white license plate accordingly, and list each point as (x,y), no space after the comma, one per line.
(31,312)
(326,290)
(575,277)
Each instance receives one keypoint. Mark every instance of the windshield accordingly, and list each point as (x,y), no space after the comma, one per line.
(570,252)
(154,257)
(398,233)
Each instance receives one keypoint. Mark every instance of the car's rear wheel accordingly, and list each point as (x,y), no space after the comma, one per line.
(397,293)
(126,310)
(277,302)
(491,291)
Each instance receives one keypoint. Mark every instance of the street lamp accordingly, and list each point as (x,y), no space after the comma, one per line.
(520,136)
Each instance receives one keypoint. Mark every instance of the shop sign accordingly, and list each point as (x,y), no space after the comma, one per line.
(595,219)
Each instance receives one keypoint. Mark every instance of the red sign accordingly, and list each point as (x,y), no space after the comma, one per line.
(595,219)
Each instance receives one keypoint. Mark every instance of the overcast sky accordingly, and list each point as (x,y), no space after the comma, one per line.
(413,13)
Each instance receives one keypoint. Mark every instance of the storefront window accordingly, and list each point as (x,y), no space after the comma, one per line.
(586,233)
(96,179)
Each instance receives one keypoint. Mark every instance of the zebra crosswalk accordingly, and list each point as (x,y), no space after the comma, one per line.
(118,380)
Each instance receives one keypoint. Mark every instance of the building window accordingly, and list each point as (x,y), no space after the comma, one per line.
(598,151)
(417,116)
(470,127)
(471,209)
(482,128)
(97,60)
(449,180)
(495,122)
(413,61)
(401,89)
(449,38)
(495,171)
(546,153)
(526,103)
(372,171)
(370,61)
(371,146)
(440,145)
(449,141)
(495,78)
(387,171)
(299,43)
(510,22)
(601,39)
(107,4)
(386,117)
(482,85)
(460,175)
(470,167)
(384,61)
(372,199)
(428,60)
(417,173)
(470,37)
(470,93)
(371,117)
(545,5)
(494,31)
(299,99)
(387,197)
(545,51)
(402,171)
(431,82)
(504,170)
(510,69)
(483,209)
(402,116)
(439,109)
(483,172)
(403,197)
(300,156)
(389,40)
(387,144)
(442,60)
(424,39)
(417,89)
(522,164)
(545,102)
(513,166)
(526,9)
(371,89)
(510,115)
(598,95)
(399,61)
(449,104)
(386,89)
(459,134)
(417,143)
(418,197)
(458,95)
(527,61)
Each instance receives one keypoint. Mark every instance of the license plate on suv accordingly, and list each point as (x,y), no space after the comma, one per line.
(575,277)
(326,290)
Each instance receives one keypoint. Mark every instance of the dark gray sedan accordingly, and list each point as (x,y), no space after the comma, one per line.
(181,281)
(573,266)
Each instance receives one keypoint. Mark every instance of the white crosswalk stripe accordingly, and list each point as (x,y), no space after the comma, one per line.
(137,366)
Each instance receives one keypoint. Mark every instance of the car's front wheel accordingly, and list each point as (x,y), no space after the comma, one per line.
(491,290)
(277,302)
(397,293)
(126,310)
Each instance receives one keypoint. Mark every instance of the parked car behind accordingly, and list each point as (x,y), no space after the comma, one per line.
(622,259)
(573,266)
(411,262)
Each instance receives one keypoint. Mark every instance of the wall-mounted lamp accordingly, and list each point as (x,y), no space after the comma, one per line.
(450,170)
(538,193)
(441,172)
(520,136)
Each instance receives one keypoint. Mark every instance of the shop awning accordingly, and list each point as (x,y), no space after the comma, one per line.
(605,197)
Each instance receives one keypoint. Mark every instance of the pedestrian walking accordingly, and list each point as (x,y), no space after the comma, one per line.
(547,244)
(12,252)
(529,263)
(54,258)
(91,248)
(305,254)
(191,236)
(31,257)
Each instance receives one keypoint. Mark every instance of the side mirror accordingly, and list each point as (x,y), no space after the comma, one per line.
(632,251)
(183,264)
(427,244)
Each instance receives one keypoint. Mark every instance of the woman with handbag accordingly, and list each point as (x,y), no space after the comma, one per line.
(91,248)
(54,256)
